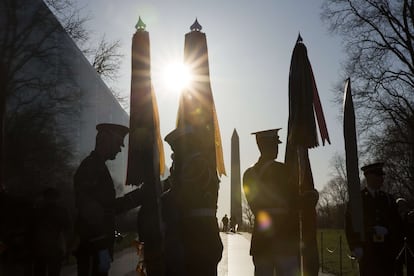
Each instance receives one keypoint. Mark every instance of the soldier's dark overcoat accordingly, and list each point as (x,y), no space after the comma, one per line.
(97,204)
(95,201)
(378,255)
(273,203)
(195,192)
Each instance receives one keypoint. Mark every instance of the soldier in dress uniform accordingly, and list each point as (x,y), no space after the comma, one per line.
(382,227)
(97,204)
(194,192)
(275,238)
(406,254)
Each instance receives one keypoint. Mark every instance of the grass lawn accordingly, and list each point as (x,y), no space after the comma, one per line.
(330,241)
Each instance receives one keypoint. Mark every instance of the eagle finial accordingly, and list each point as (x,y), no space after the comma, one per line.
(196,26)
(140,26)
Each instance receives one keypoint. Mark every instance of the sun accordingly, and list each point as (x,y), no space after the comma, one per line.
(177,76)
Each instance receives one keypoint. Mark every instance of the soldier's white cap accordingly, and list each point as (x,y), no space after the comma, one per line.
(268,134)
(375,168)
(116,130)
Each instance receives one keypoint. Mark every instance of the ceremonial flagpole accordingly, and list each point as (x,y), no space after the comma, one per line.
(196,106)
(145,152)
(352,169)
(304,103)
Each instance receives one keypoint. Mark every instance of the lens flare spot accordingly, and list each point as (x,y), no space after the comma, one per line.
(264,220)
(246,190)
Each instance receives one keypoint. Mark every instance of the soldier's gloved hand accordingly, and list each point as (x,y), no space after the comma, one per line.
(358,252)
(129,200)
(135,197)
(104,261)
(380,230)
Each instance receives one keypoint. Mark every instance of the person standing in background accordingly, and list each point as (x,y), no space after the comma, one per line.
(225,221)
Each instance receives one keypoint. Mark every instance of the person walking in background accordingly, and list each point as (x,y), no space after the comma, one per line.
(382,227)
(233,224)
(51,229)
(225,222)
(97,203)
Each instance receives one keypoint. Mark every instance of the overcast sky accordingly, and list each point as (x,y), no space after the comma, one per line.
(250,44)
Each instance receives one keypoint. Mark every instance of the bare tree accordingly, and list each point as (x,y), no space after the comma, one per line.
(248,216)
(16,55)
(336,191)
(334,195)
(378,37)
(106,59)
(34,144)
(72,20)
(399,159)
(37,88)
(324,210)
(104,55)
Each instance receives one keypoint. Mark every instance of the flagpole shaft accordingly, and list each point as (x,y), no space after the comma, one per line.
(299,153)
(351,160)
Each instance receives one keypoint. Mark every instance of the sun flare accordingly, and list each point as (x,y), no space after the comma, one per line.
(177,76)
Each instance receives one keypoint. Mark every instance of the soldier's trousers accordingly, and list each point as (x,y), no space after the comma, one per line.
(194,267)
(87,263)
(202,246)
(50,266)
(282,265)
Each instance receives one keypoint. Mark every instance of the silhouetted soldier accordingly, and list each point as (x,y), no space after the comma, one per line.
(275,237)
(194,191)
(96,202)
(382,227)
(174,248)
(51,227)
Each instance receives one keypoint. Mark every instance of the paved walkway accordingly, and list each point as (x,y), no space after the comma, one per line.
(236,260)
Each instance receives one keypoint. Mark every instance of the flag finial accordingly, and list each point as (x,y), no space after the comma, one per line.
(140,26)
(299,40)
(196,26)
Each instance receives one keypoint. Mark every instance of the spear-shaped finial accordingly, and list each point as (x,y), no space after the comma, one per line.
(299,40)
(196,26)
(140,26)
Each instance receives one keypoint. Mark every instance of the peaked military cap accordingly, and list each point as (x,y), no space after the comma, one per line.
(375,168)
(177,133)
(268,134)
(114,129)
